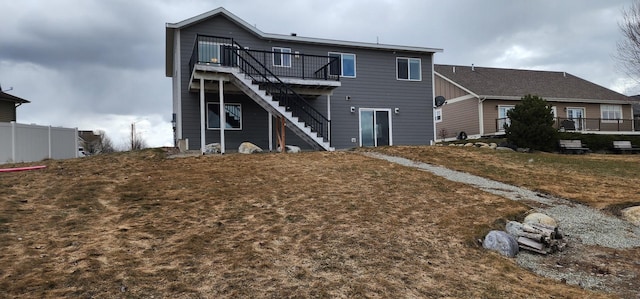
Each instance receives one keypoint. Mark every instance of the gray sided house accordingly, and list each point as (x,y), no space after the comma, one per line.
(8,106)
(272,89)
(476,101)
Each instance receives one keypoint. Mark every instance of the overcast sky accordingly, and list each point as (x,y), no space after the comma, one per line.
(99,64)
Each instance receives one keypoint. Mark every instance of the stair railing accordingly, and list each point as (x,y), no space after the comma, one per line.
(280,91)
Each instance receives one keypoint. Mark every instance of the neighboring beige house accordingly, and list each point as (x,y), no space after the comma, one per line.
(8,105)
(476,101)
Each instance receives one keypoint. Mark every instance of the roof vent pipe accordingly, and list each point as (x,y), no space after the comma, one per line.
(564,74)
(294,34)
(473,68)
(454,69)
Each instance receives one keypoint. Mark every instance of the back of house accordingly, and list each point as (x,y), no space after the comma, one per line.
(233,83)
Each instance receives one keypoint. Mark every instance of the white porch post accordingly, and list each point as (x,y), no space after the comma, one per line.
(270,132)
(203,126)
(329,117)
(223,115)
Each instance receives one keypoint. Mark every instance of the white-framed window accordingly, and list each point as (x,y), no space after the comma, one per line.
(610,113)
(344,65)
(233,116)
(503,118)
(409,69)
(281,57)
(437,115)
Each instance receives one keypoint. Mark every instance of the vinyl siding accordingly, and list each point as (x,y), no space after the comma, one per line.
(459,117)
(7,111)
(375,86)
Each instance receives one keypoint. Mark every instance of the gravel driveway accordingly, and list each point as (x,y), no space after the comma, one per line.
(584,228)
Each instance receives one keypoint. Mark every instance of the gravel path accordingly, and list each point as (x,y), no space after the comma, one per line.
(583,227)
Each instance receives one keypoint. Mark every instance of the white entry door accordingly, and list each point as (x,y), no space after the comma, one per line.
(577,116)
(375,127)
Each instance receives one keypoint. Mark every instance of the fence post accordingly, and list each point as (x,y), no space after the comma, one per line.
(13,141)
(75,149)
(49,137)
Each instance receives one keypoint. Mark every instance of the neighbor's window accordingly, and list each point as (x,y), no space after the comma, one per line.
(233,116)
(437,115)
(409,69)
(281,57)
(503,118)
(344,65)
(611,112)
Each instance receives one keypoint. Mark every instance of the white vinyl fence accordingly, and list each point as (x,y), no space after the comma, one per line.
(28,143)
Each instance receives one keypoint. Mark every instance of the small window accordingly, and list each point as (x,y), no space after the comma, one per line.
(281,57)
(437,115)
(344,65)
(611,112)
(233,116)
(409,69)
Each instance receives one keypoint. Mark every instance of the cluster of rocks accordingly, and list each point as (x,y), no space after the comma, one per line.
(538,233)
(247,148)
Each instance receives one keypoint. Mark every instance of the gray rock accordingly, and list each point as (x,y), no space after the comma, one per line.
(249,148)
(513,228)
(504,148)
(501,242)
(212,148)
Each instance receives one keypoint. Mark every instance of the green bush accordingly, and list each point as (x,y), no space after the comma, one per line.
(532,124)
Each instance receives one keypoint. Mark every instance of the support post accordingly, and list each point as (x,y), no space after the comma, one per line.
(203,126)
(223,115)
(270,132)
(280,132)
(329,118)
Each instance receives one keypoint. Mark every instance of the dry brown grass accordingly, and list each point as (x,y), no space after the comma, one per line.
(270,225)
(602,181)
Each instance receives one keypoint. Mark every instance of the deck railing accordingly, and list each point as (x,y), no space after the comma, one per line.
(259,66)
(586,124)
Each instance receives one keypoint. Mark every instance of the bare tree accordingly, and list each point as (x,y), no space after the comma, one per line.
(628,50)
(106,145)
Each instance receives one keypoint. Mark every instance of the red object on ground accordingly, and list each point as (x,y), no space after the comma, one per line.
(22,168)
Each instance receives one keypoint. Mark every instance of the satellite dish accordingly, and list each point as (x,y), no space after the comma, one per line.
(439,101)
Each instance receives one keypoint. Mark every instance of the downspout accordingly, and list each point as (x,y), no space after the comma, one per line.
(433,96)
(481,114)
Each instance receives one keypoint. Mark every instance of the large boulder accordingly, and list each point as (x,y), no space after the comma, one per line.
(540,218)
(249,148)
(501,242)
(632,214)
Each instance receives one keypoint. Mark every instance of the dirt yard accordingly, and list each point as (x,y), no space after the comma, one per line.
(316,224)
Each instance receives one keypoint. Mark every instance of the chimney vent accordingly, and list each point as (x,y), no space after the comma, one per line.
(294,34)
(473,68)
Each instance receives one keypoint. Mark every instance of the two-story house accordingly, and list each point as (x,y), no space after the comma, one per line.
(234,83)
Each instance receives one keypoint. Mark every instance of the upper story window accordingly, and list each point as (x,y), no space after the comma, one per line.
(233,116)
(281,57)
(409,68)
(611,112)
(208,52)
(344,65)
